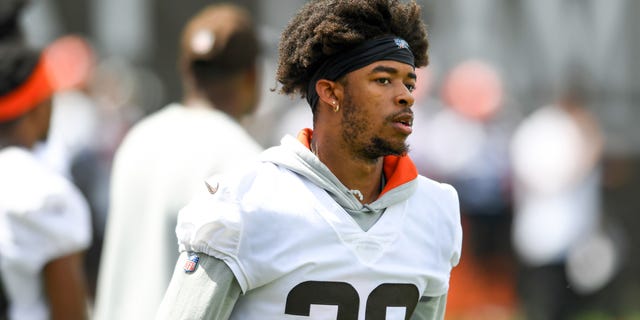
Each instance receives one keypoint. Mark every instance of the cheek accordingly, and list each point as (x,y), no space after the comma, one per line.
(368,103)
(352,118)
(363,107)
(358,124)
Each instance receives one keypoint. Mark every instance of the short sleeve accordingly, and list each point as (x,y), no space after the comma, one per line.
(456,226)
(447,233)
(53,226)
(211,224)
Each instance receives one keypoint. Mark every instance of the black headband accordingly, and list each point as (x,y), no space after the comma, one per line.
(385,48)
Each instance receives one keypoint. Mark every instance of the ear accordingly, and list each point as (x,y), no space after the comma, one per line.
(329,91)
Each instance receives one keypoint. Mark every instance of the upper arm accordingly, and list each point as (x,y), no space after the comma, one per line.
(209,292)
(66,274)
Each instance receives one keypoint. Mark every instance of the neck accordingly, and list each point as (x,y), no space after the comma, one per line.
(223,96)
(226,105)
(355,173)
(18,135)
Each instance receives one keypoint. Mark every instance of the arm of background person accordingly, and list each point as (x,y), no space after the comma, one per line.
(66,288)
(430,308)
(210,292)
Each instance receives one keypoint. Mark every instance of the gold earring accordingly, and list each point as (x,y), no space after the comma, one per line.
(336,107)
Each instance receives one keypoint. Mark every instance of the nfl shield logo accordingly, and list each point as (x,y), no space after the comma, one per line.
(191,263)
(401,43)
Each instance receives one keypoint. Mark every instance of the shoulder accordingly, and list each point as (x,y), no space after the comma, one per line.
(214,219)
(441,193)
(30,182)
(46,214)
(182,134)
(152,123)
(441,196)
(246,183)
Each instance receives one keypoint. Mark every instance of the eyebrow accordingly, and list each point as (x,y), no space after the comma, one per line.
(391,70)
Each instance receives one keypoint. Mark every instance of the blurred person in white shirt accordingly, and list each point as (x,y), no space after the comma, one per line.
(556,155)
(45,224)
(167,156)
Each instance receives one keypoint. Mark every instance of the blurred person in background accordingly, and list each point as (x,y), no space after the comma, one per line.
(103,110)
(73,120)
(74,131)
(464,141)
(336,223)
(45,224)
(556,154)
(466,144)
(167,156)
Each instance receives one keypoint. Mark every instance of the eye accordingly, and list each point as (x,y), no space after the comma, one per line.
(410,87)
(383,80)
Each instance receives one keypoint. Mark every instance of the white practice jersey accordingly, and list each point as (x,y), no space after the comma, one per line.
(43,217)
(298,255)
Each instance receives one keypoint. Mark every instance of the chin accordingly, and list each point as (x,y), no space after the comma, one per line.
(381,148)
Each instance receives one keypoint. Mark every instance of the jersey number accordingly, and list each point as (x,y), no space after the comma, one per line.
(345,296)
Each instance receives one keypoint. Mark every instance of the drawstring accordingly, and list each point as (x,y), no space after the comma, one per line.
(357,193)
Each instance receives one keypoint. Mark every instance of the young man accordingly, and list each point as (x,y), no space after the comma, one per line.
(45,224)
(336,224)
(163,160)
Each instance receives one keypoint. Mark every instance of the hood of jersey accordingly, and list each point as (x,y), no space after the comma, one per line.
(295,154)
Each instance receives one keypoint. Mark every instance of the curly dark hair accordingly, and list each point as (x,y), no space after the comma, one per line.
(325,27)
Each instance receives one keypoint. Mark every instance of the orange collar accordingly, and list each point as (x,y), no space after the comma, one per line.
(36,89)
(397,169)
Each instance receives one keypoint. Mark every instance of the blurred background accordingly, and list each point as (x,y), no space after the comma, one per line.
(528,107)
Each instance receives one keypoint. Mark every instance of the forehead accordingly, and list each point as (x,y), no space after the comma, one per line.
(387,66)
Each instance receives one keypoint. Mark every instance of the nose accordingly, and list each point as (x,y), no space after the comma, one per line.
(405,97)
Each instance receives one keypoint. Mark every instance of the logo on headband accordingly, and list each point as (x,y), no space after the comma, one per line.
(401,43)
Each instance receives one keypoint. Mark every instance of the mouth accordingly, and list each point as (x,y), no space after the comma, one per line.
(404,122)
